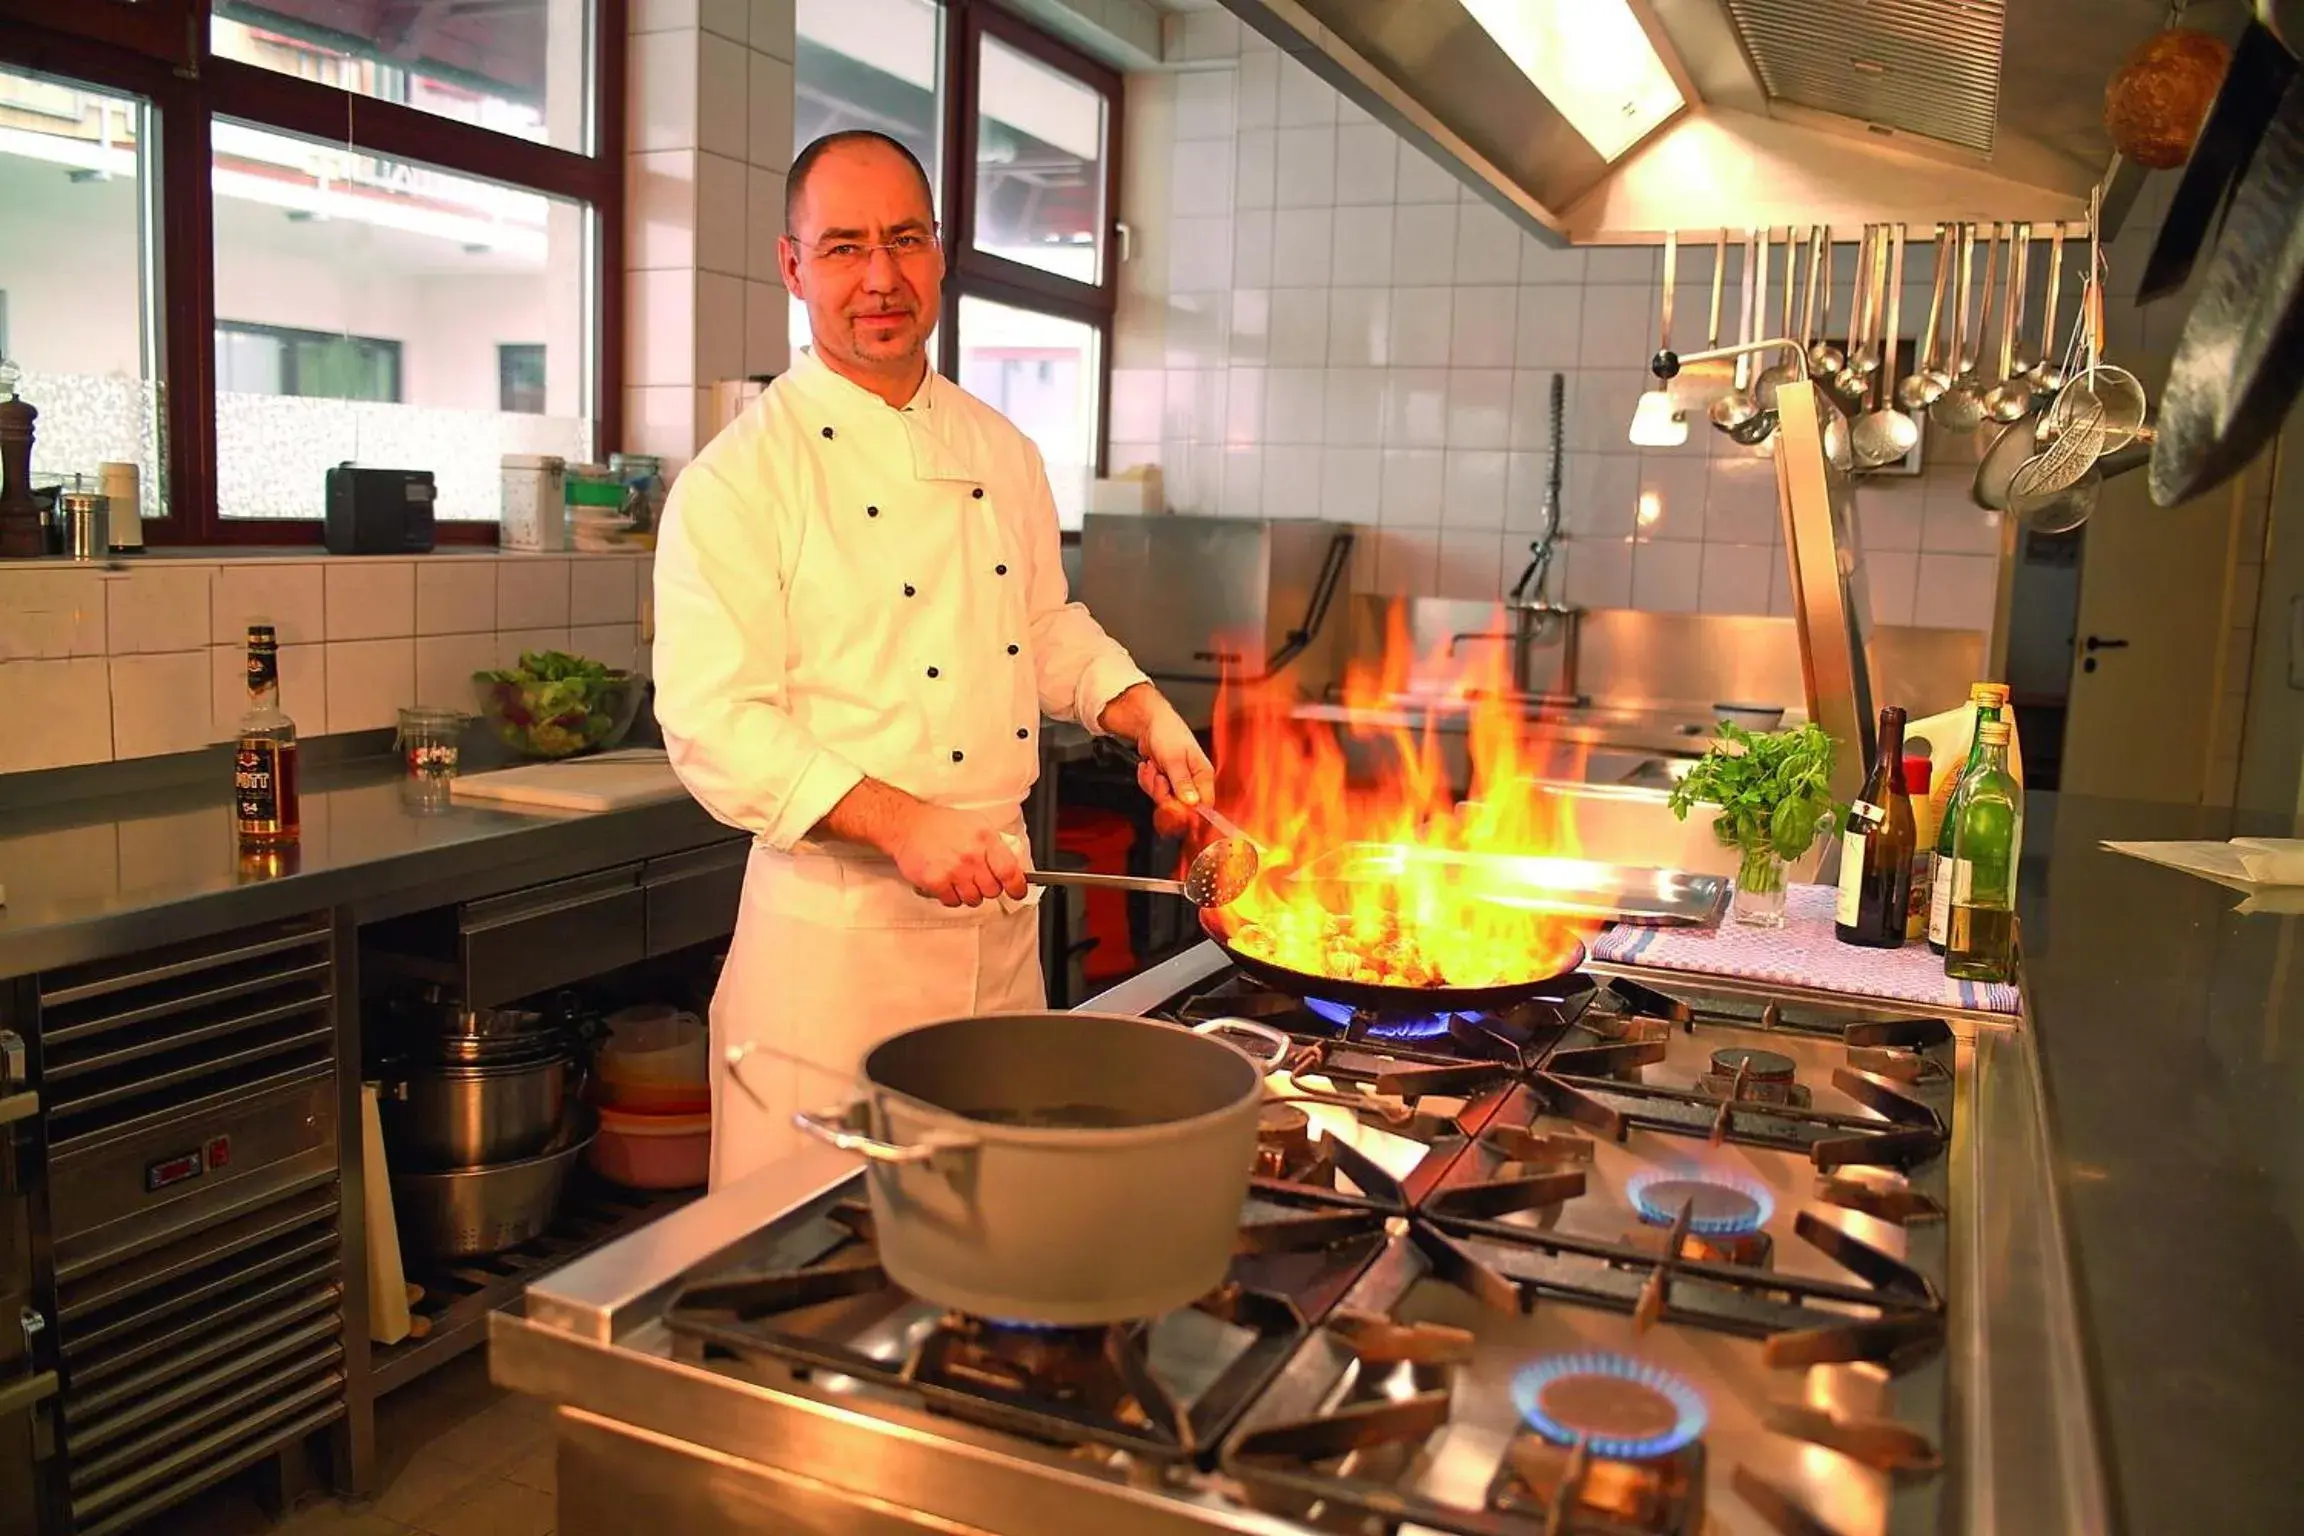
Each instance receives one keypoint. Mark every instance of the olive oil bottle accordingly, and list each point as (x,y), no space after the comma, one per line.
(1980,944)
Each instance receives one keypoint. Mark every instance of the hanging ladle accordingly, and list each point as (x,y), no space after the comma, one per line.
(2048,373)
(2011,398)
(1920,388)
(1885,434)
(1961,409)
(1825,359)
(1735,412)
(1853,380)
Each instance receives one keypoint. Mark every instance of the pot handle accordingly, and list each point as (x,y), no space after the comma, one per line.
(837,1127)
(1279,1044)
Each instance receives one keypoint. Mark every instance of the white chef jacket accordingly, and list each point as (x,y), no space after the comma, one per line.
(844,588)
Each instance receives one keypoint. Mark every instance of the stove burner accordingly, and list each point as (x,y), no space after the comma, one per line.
(1759,1066)
(1284,1146)
(1625,1409)
(1404,1029)
(1725,1206)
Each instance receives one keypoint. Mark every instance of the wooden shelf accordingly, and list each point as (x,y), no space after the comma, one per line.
(460,1293)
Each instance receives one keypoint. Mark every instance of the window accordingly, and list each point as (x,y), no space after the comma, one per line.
(265,236)
(1024,198)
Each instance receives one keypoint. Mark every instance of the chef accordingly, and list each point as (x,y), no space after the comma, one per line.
(861,620)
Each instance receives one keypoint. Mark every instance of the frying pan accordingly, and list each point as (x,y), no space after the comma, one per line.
(1385,997)
(2259,71)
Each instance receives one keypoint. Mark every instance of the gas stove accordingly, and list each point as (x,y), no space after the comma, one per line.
(1641,1258)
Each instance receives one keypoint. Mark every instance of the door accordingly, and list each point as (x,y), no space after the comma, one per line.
(2149,712)
(2272,747)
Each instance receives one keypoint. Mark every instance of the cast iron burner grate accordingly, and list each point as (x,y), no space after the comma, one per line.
(1514,1037)
(1164,1388)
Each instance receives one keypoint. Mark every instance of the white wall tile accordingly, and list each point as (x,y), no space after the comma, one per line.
(1250,341)
(763,222)
(1416,407)
(1481,328)
(160,703)
(1423,247)
(1672,495)
(1628,264)
(1889,513)
(1600,402)
(532,592)
(660,327)
(1291,481)
(1302,239)
(1955,525)
(1207,102)
(661,16)
(1353,415)
(370,599)
(720,214)
(1479,407)
(660,108)
(286,596)
(1956,591)
(445,664)
(1208,34)
(1199,255)
(1254,167)
(1487,245)
(603,589)
(1735,578)
(772,29)
(1367,165)
(511,644)
(662,420)
(660,209)
(1352,484)
(1473,493)
(1293,399)
(1259,91)
(1892,580)
(1667,578)
(611,645)
(455,597)
(720,335)
(303,688)
(1471,566)
(1136,402)
(1599,573)
(1359,327)
(722,70)
(1200,178)
(1531,428)
(767,322)
(1414,487)
(1193,405)
(768,111)
(71,698)
(1422,179)
(1307,168)
(1619,328)
(1603,493)
(1524,475)
(1548,327)
(51,614)
(157,606)
(1421,327)
(1252,248)
(1740,501)
(1408,562)
(727,18)
(1299,327)
(1194,325)
(1305,98)
(1363,250)
(1242,490)
(1244,407)
(1552,266)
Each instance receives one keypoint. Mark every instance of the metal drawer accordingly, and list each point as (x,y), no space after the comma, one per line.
(692,897)
(552,935)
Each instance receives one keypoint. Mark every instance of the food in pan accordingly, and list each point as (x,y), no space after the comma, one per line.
(1380,952)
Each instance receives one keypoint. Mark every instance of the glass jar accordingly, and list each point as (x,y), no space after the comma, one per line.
(1759,889)
(430,743)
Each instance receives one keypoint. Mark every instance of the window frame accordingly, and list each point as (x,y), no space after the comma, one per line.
(977,274)
(158,50)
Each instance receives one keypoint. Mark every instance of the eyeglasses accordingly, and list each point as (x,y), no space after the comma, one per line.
(846,255)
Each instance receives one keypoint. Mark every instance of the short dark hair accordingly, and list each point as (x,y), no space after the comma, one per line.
(804,164)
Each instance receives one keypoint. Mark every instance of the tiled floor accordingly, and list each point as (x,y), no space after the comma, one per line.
(455,1457)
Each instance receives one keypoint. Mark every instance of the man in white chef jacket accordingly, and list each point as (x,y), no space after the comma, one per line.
(861,619)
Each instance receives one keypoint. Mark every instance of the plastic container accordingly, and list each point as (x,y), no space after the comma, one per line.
(656,1061)
(653,1151)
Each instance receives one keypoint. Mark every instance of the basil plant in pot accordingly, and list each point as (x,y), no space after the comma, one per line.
(1773,796)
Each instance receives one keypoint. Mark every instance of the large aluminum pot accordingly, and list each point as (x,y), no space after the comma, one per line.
(466,1212)
(1063,1168)
(464,1116)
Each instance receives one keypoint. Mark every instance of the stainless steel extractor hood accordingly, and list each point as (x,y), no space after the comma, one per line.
(1792,111)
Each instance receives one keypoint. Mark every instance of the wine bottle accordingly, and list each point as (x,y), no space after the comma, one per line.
(1876,845)
(1989,700)
(1980,943)
(1916,777)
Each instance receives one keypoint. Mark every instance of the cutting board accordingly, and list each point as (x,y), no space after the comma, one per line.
(607,782)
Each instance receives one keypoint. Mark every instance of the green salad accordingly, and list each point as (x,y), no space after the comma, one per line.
(555,705)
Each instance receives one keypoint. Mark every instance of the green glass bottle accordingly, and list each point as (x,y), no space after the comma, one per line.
(1981,942)
(1989,699)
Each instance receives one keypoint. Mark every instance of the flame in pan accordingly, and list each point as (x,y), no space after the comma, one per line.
(1285,780)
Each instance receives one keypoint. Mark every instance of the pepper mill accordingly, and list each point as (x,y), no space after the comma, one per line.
(19,514)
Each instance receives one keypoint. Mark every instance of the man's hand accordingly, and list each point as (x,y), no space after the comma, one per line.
(1173,770)
(957,857)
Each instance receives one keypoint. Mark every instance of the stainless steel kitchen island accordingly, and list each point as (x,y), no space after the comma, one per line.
(1871,1328)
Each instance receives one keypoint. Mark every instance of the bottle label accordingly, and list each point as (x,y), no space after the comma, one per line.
(1963,881)
(256,787)
(263,667)
(1867,814)
(1940,906)
(1923,898)
(1850,900)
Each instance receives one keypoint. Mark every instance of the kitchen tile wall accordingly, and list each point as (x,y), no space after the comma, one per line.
(1319,320)
(98,665)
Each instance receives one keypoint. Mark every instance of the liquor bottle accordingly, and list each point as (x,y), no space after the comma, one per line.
(1916,777)
(1989,700)
(264,800)
(1981,943)
(1876,844)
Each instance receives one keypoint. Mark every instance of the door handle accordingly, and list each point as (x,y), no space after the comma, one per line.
(2095,643)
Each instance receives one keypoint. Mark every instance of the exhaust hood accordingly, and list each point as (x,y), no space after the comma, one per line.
(1610,120)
